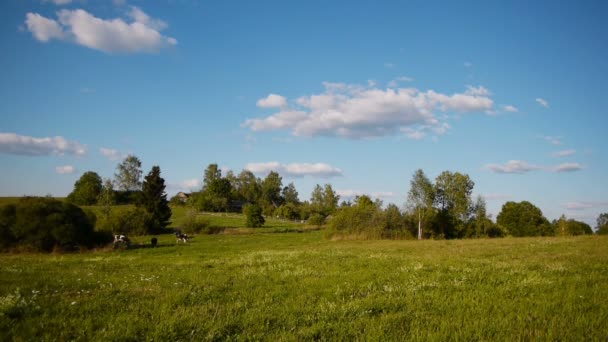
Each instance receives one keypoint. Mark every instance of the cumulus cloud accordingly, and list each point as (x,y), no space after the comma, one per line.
(510,109)
(191,184)
(564,153)
(110,153)
(320,170)
(66,169)
(42,28)
(12,143)
(519,166)
(568,167)
(512,166)
(272,101)
(542,102)
(141,34)
(355,111)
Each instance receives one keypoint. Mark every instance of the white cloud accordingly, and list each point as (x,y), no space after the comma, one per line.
(510,109)
(348,194)
(42,28)
(111,154)
(584,205)
(66,169)
(512,166)
(59,2)
(12,143)
(542,102)
(518,166)
(116,35)
(395,83)
(355,111)
(564,153)
(389,65)
(321,170)
(272,101)
(191,184)
(553,140)
(567,167)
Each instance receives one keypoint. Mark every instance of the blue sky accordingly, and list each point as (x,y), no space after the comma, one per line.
(356,94)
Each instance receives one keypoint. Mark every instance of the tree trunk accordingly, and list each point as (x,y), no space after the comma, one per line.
(419,227)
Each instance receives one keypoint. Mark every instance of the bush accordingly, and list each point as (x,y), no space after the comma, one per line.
(316,220)
(199,225)
(253,213)
(45,224)
(129,221)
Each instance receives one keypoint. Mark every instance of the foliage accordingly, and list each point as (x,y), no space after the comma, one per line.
(86,189)
(253,214)
(195,224)
(324,201)
(420,199)
(128,221)
(602,224)
(290,194)
(523,219)
(316,220)
(128,175)
(107,197)
(565,227)
(366,220)
(288,211)
(45,224)
(154,199)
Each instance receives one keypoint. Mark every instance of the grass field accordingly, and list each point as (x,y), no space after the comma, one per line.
(299,286)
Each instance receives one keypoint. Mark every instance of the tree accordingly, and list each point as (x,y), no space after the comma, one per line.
(453,196)
(290,194)
(271,192)
(211,174)
(248,187)
(523,219)
(128,176)
(107,197)
(330,200)
(602,224)
(86,189)
(253,214)
(154,198)
(421,197)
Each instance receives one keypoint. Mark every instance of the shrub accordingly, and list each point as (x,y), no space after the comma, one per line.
(129,221)
(316,220)
(253,213)
(45,224)
(199,225)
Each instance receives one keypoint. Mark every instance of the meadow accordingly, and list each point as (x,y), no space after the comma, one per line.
(287,282)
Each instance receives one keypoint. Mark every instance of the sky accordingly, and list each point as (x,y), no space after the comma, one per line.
(358,94)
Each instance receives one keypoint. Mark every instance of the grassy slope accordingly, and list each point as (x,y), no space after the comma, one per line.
(300,286)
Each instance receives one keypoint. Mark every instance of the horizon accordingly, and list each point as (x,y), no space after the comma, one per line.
(357,95)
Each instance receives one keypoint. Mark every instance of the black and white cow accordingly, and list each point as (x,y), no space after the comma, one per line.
(121,240)
(181,237)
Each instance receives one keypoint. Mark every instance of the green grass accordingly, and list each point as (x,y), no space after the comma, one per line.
(303,287)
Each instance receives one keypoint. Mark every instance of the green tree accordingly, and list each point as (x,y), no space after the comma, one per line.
(154,198)
(453,196)
(330,200)
(107,197)
(523,219)
(420,199)
(602,224)
(253,215)
(86,189)
(128,175)
(271,192)
(212,173)
(248,187)
(290,194)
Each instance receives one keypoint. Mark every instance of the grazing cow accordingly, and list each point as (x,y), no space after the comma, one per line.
(181,237)
(121,240)
(154,242)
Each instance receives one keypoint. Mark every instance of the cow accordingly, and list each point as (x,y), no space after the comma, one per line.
(121,240)
(181,237)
